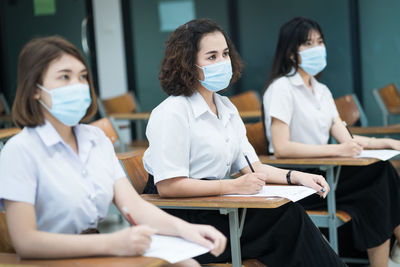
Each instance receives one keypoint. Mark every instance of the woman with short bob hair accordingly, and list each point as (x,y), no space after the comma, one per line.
(67,173)
(197,137)
(300,115)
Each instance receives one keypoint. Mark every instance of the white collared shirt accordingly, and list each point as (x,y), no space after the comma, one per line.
(188,140)
(69,192)
(308,114)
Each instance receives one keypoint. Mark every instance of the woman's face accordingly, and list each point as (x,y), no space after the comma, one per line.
(212,49)
(63,71)
(314,39)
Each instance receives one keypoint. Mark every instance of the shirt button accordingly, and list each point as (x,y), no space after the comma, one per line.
(92,222)
(228,163)
(227,139)
(84,173)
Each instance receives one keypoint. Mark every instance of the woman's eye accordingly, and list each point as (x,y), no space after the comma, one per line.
(64,77)
(308,43)
(84,77)
(225,54)
(212,57)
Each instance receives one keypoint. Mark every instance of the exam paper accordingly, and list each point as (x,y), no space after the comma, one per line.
(382,154)
(292,192)
(173,249)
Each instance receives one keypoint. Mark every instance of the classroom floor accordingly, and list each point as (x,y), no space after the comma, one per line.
(113,223)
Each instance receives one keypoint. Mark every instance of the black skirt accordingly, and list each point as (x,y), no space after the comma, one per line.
(283,236)
(371,195)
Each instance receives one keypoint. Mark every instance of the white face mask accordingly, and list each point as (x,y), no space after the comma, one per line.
(313,60)
(68,103)
(217,76)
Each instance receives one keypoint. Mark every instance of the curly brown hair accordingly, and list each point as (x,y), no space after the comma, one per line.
(179,74)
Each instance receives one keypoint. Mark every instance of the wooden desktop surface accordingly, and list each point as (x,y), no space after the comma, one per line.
(8,132)
(319,161)
(391,129)
(217,201)
(8,259)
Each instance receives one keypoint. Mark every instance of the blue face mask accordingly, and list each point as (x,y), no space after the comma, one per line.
(217,76)
(313,60)
(68,103)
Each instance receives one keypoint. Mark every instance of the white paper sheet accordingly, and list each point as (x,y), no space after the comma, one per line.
(293,192)
(382,154)
(173,249)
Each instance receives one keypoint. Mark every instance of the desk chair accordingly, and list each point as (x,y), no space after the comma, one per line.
(351,111)
(5,240)
(125,107)
(5,112)
(388,100)
(133,165)
(108,127)
(248,104)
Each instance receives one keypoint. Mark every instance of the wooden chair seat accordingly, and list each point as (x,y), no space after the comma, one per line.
(342,215)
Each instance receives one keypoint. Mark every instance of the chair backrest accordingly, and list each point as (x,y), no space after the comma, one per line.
(257,138)
(350,110)
(133,165)
(5,240)
(390,97)
(107,127)
(246,101)
(120,104)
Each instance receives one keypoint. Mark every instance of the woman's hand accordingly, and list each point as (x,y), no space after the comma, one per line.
(204,235)
(250,183)
(350,148)
(132,241)
(314,181)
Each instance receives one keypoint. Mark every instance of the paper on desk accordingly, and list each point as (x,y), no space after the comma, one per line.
(382,154)
(292,192)
(173,249)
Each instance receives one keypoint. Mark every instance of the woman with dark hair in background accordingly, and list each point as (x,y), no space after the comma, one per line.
(300,114)
(197,137)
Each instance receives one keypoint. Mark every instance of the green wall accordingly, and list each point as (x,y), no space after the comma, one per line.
(148,44)
(380,51)
(19,25)
(260,22)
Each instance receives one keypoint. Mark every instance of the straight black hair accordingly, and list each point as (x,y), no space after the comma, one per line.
(292,34)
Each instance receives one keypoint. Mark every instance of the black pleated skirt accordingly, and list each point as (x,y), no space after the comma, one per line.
(283,236)
(371,195)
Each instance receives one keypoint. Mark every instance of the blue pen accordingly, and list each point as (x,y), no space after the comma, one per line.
(248,162)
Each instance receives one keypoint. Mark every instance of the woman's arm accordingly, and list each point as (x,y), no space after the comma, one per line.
(341,134)
(250,183)
(285,148)
(278,176)
(32,243)
(145,213)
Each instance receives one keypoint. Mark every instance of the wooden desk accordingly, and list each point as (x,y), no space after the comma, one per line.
(13,260)
(326,164)
(131,116)
(226,205)
(8,132)
(251,114)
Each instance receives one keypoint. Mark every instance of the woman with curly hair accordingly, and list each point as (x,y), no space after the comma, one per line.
(197,138)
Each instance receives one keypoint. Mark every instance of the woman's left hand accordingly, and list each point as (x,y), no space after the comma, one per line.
(314,181)
(205,235)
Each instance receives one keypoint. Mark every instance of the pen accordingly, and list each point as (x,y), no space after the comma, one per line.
(125,210)
(345,125)
(248,162)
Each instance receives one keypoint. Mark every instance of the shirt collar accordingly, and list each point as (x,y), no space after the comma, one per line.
(199,106)
(50,137)
(295,78)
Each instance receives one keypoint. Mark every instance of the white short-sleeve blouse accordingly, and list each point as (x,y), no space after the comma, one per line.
(70,192)
(308,114)
(186,139)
